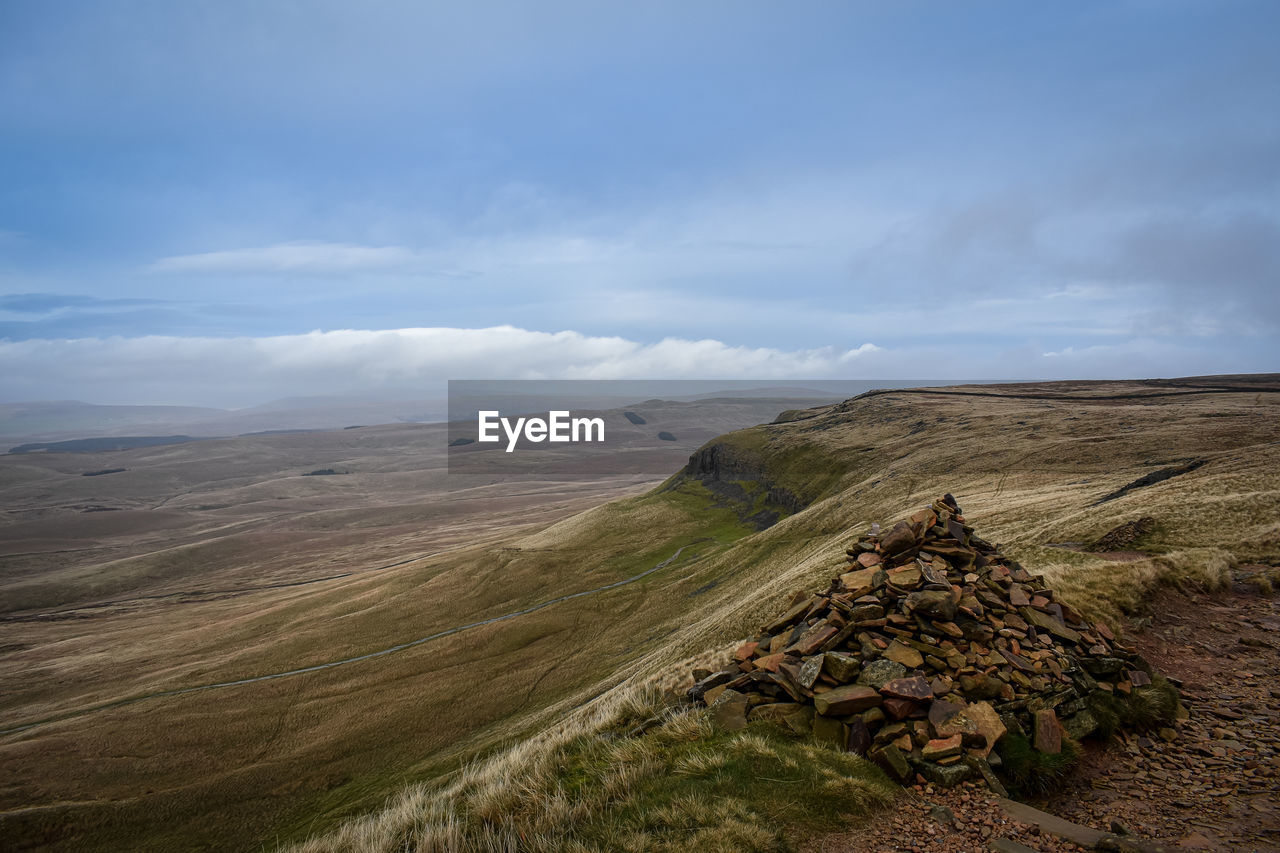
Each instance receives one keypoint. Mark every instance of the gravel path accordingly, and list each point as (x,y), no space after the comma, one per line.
(1216,786)
(1212,783)
(924,820)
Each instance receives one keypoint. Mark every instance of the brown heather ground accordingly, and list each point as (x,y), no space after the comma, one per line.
(218,562)
(233,767)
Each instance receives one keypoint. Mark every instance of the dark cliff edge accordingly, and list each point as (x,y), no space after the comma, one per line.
(739,478)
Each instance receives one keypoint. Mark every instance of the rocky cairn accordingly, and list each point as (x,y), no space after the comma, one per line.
(924,654)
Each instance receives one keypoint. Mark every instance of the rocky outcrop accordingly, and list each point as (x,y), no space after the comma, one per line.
(1125,535)
(926,651)
(1151,479)
(740,479)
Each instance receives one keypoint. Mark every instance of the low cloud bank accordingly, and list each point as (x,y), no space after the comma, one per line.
(416,362)
(245,371)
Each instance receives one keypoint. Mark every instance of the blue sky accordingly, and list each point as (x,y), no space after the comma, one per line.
(338,197)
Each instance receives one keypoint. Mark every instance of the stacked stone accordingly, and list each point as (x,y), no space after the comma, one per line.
(923,654)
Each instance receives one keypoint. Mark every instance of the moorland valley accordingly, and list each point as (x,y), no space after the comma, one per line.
(143,608)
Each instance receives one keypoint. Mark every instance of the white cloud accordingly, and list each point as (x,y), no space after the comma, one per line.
(242,371)
(290,257)
(415,362)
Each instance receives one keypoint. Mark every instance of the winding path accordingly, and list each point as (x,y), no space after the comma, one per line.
(181,691)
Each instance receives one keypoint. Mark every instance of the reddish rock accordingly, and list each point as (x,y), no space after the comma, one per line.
(951,629)
(900,709)
(858,578)
(770,663)
(851,699)
(1048,732)
(915,689)
(941,748)
(813,639)
(713,694)
(906,577)
(897,540)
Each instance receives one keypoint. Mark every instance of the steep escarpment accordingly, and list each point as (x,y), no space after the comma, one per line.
(740,478)
(764,473)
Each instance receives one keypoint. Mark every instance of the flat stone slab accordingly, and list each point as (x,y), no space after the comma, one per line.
(899,652)
(915,688)
(1048,623)
(847,700)
(1087,837)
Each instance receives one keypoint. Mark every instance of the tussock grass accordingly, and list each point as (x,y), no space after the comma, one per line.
(1027,770)
(1143,709)
(1111,590)
(1027,472)
(589,786)
(1263,580)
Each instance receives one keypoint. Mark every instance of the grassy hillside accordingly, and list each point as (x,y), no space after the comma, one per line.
(223,768)
(536,696)
(1029,464)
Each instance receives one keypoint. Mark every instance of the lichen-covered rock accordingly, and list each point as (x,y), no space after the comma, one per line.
(880,672)
(729,710)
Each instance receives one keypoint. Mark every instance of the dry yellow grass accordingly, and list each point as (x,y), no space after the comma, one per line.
(466,722)
(586,785)
(1028,474)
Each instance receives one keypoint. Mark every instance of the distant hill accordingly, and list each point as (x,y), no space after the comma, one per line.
(46,422)
(99,445)
(61,419)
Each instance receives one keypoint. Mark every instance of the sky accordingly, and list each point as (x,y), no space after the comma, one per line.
(223,203)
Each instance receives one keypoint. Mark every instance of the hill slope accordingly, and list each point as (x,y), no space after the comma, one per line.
(292,756)
(1031,464)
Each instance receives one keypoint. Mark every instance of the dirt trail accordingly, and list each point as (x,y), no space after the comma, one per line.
(1217,785)
(1213,786)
